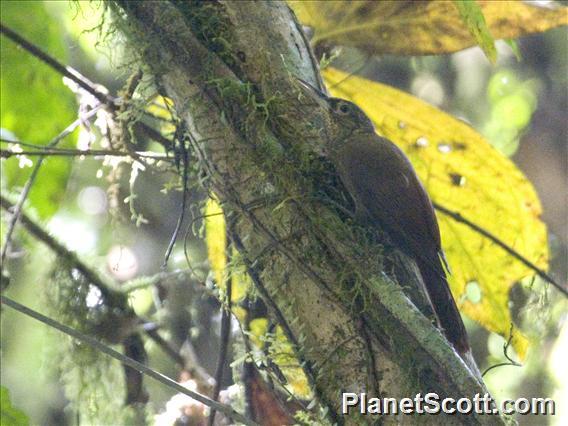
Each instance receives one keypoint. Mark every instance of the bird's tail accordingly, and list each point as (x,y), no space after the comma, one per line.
(443,303)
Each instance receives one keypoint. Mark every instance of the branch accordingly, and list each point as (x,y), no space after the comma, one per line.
(94,343)
(80,153)
(81,80)
(116,297)
(152,332)
(66,71)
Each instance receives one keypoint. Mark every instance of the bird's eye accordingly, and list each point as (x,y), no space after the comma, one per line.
(344,108)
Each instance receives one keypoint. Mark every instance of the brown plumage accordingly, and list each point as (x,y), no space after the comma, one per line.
(388,194)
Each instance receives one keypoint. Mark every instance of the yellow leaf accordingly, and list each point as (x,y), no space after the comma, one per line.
(282,353)
(258,328)
(216,239)
(418,27)
(240,280)
(161,108)
(462,173)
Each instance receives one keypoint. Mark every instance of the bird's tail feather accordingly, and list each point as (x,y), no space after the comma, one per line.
(444,305)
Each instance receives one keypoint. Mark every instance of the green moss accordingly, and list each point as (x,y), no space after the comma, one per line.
(92,381)
(209,22)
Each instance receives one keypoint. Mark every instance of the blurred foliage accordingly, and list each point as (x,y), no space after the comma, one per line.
(10,415)
(50,111)
(87,24)
(161,108)
(512,105)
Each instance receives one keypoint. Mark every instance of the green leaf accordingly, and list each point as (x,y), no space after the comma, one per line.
(472,16)
(515,48)
(35,105)
(10,415)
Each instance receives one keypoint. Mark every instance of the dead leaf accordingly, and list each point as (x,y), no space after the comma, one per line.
(418,27)
(268,407)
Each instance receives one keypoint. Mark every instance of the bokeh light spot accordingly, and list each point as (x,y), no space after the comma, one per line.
(122,262)
(92,200)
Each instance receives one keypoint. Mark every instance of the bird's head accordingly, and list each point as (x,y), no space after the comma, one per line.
(346,118)
(349,115)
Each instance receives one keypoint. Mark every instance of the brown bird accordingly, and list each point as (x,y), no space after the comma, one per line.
(388,195)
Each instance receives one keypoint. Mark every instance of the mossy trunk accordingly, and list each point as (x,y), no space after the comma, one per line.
(230,67)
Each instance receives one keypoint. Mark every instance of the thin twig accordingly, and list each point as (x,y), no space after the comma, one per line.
(142,128)
(153,280)
(261,288)
(225,335)
(66,71)
(81,80)
(506,347)
(459,218)
(28,186)
(189,227)
(27,144)
(185,176)
(94,343)
(79,153)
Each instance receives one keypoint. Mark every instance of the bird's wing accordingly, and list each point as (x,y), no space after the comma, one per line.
(385,183)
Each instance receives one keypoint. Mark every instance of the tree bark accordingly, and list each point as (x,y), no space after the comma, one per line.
(230,68)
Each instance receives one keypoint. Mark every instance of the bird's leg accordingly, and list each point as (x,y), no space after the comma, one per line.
(329,201)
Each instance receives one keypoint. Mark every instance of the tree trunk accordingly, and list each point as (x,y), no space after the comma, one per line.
(230,68)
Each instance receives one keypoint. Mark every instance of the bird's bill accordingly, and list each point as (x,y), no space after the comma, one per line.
(320,96)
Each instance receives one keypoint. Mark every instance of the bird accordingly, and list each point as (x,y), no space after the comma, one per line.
(389,196)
